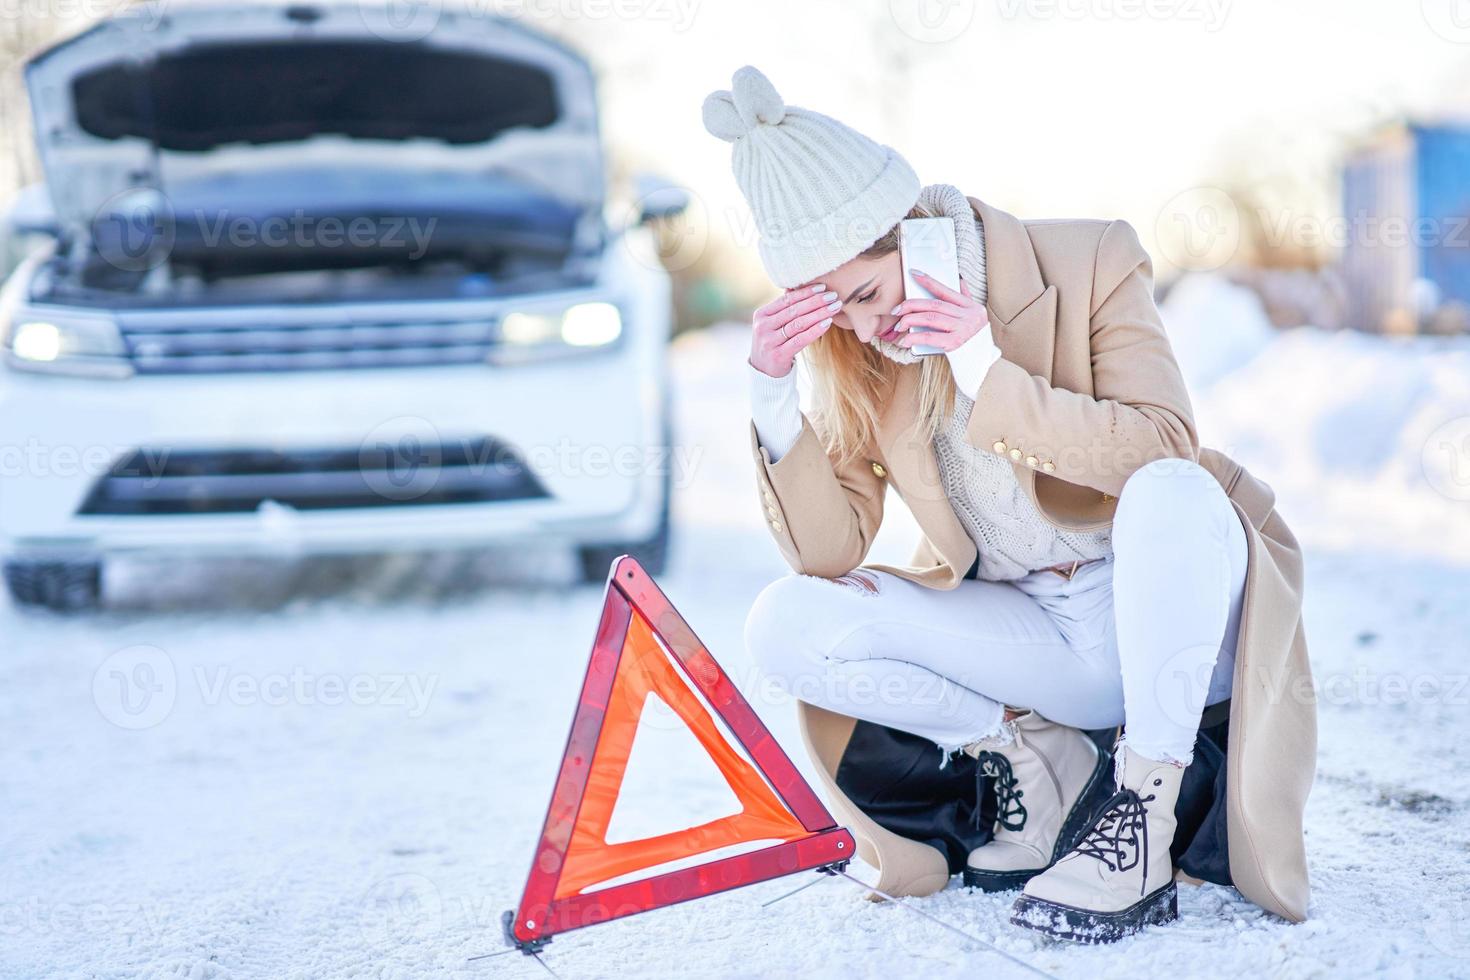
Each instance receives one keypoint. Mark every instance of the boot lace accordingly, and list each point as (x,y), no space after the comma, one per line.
(1012,812)
(1119,837)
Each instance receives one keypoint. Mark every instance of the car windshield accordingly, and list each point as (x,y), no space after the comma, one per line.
(209,95)
(242,159)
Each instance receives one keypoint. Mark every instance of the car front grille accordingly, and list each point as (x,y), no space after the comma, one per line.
(159,481)
(167,347)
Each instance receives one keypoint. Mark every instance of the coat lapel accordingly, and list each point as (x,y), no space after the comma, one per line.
(913,471)
(1022,307)
(1023,312)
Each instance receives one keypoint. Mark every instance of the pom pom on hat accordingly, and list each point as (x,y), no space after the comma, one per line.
(750,101)
(811,219)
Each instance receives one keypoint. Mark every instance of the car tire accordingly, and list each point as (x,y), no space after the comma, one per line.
(65,586)
(652,552)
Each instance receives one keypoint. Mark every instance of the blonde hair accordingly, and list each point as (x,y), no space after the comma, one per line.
(851,378)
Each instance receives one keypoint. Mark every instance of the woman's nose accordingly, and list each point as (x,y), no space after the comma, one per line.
(869,327)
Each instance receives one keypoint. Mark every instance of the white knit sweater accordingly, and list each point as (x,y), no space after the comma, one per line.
(1011,536)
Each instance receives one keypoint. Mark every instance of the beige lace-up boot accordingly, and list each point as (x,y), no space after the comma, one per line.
(1042,778)
(1120,876)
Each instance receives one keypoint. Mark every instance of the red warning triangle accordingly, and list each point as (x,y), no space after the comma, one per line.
(644,646)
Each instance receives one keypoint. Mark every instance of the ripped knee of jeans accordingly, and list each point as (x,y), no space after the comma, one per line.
(784,635)
(864,583)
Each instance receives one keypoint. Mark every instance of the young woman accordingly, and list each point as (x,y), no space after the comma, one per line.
(1085,564)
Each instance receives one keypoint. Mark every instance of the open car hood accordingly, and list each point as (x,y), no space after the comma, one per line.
(174,109)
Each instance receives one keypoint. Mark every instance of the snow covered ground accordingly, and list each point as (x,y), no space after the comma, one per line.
(338,768)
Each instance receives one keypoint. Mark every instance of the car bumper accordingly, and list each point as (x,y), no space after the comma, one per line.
(588,429)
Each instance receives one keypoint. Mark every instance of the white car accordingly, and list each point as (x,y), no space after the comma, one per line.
(319,280)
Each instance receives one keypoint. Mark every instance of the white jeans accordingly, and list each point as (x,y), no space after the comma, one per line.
(1145,638)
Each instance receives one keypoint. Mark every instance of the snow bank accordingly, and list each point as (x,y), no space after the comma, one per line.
(1215,327)
(1365,439)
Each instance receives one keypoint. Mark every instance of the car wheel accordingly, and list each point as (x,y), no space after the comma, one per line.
(652,553)
(66,586)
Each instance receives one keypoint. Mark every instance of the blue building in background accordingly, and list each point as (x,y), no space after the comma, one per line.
(1406,198)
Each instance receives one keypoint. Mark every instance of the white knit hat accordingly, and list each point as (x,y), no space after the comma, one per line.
(820,191)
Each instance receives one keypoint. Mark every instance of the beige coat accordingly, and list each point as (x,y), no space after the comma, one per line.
(1087,391)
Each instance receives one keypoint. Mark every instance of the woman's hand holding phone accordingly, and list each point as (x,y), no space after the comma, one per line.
(787,324)
(953,319)
(953,323)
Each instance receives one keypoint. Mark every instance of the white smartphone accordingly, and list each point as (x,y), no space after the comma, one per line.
(927,244)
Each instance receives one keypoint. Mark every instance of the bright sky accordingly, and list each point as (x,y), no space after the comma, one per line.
(1046,108)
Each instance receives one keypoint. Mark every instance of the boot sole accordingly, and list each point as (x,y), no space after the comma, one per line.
(1091,927)
(1073,829)
(999,881)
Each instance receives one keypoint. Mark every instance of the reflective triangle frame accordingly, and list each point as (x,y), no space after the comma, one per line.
(633,601)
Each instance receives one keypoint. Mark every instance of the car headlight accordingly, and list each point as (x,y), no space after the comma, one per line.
(70,344)
(585,326)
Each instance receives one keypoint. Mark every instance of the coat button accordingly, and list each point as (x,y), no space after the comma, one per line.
(878,470)
(999,446)
(1048,467)
(1032,462)
(1016,454)
(773,512)
(1107,497)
